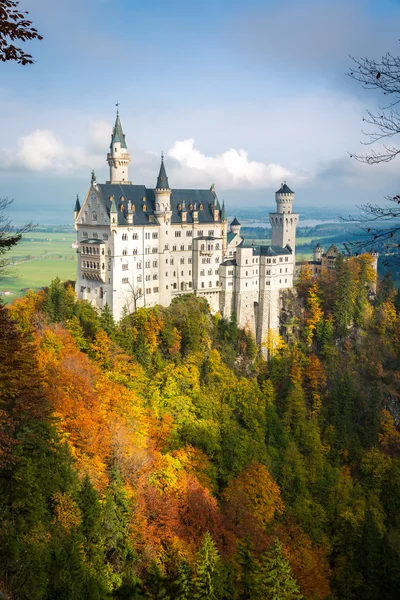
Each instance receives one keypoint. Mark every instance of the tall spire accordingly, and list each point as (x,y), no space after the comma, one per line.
(118,134)
(162,179)
(223,212)
(77,204)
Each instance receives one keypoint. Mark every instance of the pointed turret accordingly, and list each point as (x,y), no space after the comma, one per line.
(77,205)
(235,226)
(223,212)
(117,134)
(162,179)
(163,193)
(118,158)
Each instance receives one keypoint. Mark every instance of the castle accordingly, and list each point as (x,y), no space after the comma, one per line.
(141,246)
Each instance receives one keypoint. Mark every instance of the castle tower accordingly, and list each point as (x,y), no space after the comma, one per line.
(284,221)
(163,212)
(317,253)
(235,226)
(118,158)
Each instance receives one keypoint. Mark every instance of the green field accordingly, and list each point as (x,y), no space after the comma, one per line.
(36,260)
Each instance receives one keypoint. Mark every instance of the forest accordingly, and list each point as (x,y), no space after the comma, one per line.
(164,457)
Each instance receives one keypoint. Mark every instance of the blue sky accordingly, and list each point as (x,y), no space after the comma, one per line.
(240,93)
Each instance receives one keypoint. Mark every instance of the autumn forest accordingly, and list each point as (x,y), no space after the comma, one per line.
(164,457)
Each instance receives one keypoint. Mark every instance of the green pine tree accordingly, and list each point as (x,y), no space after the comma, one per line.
(106,321)
(206,562)
(183,582)
(274,579)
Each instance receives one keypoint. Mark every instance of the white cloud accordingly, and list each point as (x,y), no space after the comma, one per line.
(230,169)
(44,151)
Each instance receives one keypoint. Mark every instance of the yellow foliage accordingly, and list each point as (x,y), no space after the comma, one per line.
(66,512)
(274,343)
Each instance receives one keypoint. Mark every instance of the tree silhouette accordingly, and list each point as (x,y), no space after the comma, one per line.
(15,26)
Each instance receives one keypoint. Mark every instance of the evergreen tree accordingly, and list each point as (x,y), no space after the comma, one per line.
(274,579)
(205,570)
(106,321)
(183,582)
(248,568)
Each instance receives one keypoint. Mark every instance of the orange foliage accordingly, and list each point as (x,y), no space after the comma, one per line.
(309,563)
(252,499)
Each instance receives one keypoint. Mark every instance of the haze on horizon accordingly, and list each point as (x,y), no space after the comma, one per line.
(243,94)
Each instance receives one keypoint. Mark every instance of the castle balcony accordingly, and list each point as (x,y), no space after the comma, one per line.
(206,253)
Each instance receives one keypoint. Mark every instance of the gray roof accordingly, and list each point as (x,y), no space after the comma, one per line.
(231,262)
(139,195)
(235,222)
(77,204)
(118,134)
(284,189)
(266,250)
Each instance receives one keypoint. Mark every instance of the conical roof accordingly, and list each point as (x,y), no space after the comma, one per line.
(77,204)
(223,212)
(284,189)
(113,207)
(162,179)
(118,134)
(235,222)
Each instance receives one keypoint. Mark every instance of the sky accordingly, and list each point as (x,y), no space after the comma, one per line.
(241,93)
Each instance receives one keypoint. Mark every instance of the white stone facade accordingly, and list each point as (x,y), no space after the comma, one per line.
(142,247)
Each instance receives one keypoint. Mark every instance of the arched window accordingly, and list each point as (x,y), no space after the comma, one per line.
(94,215)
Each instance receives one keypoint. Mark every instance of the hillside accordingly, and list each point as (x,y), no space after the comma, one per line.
(164,457)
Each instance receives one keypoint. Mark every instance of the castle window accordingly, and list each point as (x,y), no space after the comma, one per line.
(84,235)
(94,216)
(147,250)
(216,271)
(247,272)
(202,273)
(174,273)
(274,260)
(166,273)
(280,281)
(200,207)
(155,276)
(202,247)
(210,284)
(246,283)
(124,252)
(147,277)
(134,251)
(105,236)
(209,272)
(269,261)
(171,262)
(181,273)
(147,235)
(217,259)
(121,209)
(286,258)
(247,262)
(211,232)
(177,234)
(155,263)
(280,270)
(190,283)
(148,290)
(155,235)
(285,280)
(155,250)
(125,267)
(139,278)
(286,270)
(125,280)
(189,233)
(280,259)
(200,233)
(139,265)
(190,272)
(144,208)
(190,260)
(202,284)
(182,261)
(166,246)
(217,246)
(95,236)
(155,290)
(135,236)
(174,286)
(124,236)
(190,247)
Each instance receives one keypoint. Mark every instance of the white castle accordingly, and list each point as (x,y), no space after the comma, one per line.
(142,247)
